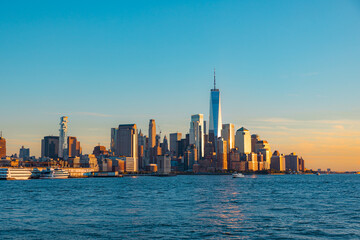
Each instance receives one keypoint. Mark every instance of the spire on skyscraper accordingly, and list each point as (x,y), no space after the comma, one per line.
(214,80)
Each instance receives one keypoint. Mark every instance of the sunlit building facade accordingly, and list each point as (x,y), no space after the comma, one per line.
(243,140)
(228,134)
(2,147)
(197,133)
(127,142)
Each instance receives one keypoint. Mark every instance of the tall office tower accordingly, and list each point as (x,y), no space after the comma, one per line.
(221,154)
(278,161)
(292,162)
(62,137)
(266,157)
(254,139)
(174,137)
(50,147)
(152,133)
(141,150)
(152,141)
(263,144)
(181,146)
(113,140)
(24,153)
(127,142)
(2,147)
(301,164)
(74,149)
(243,140)
(215,114)
(190,157)
(228,134)
(197,133)
(164,146)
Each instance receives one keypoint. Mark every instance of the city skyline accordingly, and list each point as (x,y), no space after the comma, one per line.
(294,85)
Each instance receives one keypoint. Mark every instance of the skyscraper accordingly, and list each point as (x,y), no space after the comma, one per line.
(197,133)
(2,147)
(164,146)
(62,136)
(74,149)
(152,133)
(228,134)
(222,154)
(113,140)
(243,140)
(215,123)
(24,153)
(50,147)
(127,142)
(278,161)
(174,137)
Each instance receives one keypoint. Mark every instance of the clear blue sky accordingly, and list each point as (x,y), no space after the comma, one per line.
(287,70)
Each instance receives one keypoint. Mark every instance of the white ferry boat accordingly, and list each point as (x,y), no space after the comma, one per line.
(14,174)
(51,173)
(237,175)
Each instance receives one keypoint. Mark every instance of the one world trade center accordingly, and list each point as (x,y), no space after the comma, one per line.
(215,114)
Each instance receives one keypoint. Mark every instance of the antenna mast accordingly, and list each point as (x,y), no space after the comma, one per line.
(214,80)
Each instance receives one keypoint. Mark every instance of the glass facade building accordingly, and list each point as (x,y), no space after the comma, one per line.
(215,125)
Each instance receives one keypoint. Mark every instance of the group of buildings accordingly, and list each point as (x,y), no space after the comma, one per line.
(213,147)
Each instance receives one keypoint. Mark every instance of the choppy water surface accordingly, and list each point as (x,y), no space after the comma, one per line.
(259,207)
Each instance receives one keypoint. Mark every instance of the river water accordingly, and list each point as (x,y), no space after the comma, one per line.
(183,207)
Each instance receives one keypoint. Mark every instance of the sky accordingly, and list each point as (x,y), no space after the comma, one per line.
(288,71)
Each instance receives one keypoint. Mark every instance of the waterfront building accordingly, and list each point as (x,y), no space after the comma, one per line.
(234,160)
(301,164)
(2,147)
(251,166)
(243,141)
(74,149)
(197,133)
(113,140)
(24,153)
(174,137)
(164,164)
(278,161)
(221,154)
(228,134)
(50,147)
(266,157)
(292,162)
(215,118)
(127,142)
(141,150)
(89,161)
(131,164)
(62,137)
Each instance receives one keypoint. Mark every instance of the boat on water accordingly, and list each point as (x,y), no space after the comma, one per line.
(35,173)
(318,173)
(237,175)
(54,173)
(14,174)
